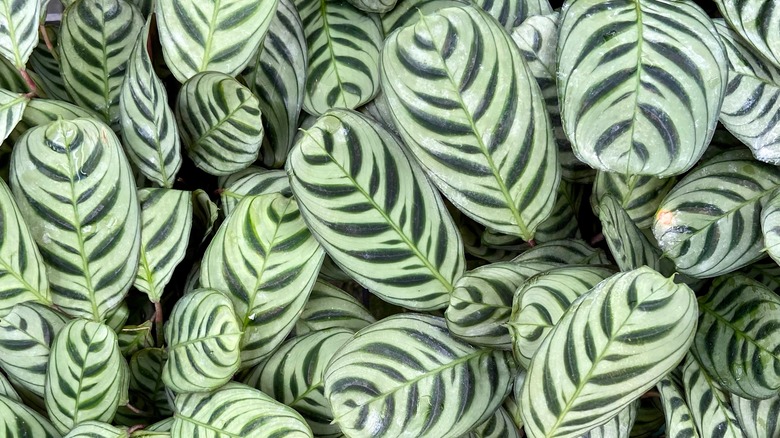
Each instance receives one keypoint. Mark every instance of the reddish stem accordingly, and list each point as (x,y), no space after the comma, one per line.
(30,83)
(532,243)
(47,41)
(158,323)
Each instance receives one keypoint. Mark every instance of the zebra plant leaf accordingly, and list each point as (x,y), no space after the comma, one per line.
(613,344)
(7,390)
(500,425)
(770,226)
(146,370)
(738,338)
(483,136)
(374,212)
(756,21)
(343,51)
(653,111)
(276,76)
(564,252)
(44,111)
(330,307)
(374,6)
(203,336)
(85,376)
(10,77)
(512,13)
(709,404)
(150,134)
(19,21)
(236,410)
(407,375)
(266,261)
(19,421)
(677,411)
(640,196)
(251,181)
(91,429)
(219,122)
(46,64)
(12,107)
(630,247)
(757,418)
(96,41)
(562,222)
(135,337)
(74,186)
(709,224)
(407,12)
(620,426)
(219,37)
(166,220)
(766,272)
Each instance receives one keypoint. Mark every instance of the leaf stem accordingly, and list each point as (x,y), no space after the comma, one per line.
(30,83)
(47,41)
(158,324)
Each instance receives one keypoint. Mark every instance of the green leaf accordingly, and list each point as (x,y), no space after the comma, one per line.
(709,224)
(629,246)
(73,185)
(96,41)
(47,65)
(44,111)
(251,181)
(219,36)
(10,78)
(512,13)
(19,421)
(219,122)
(757,418)
(236,411)
(709,404)
(613,344)
(86,377)
(640,196)
(374,212)
(203,336)
(374,6)
(205,214)
(770,225)
(135,337)
(479,128)
(756,22)
(564,252)
(151,137)
(500,425)
(407,12)
(407,375)
(93,429)
(652,111)
(166,220)
(12,107)
(117,317)
(343,51)
(7,390)
(679,420)
(266,261)
(330,307)
(146,371)
(19,21)
(620,426)
(541,301)
(562,222)
(765,272)
(649,422)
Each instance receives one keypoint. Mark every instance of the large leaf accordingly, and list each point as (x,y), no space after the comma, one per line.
(709,404)
(407,375)
(86,377)
(709,224)
(19,421)
(512,13)
(677,412)
(96,41)
(44,111)
(407,12)
(757,22)
(613,344)
(343,50)
(219,122)
(151,137)
(74,187)
(374,212)
(331,307)
(653,110)
(236,411)
(483,135)
(251,181)
(203,336)
(638,195)
(266,261)
(757,418)
(19,22)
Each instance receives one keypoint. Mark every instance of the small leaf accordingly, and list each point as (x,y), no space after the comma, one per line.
(19,421)
(19,21)
(330,307)
(709,404)
(251,181)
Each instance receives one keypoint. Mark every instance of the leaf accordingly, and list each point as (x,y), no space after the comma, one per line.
(766,272)
(757,418)
(371,207)
(117,317)
(205,214)
(562,222)
(219,122)
(19,21)
(7,390)
(151,137)
(10,78)
(640,196)
(738,339)
(709,224)
(677,411)
(135,337)
(408,12)
(483,136)
(511,13)
(11,109)
(613,344)
(44,111)
(96,41)
(330,307)
(375,6)
(166,220)
(73,185)
(47,65)
(620,426)
(86,377)
(251,181)
(756,22)
(541,301)
(709,404)
(266,261)
(500,425)
(343,51)
(276,76)
(628,245)
(146,370)
(770,225)
(220,37)
(653,110)
(564,252)
(407,375)
(19,421)
(236,410)
(649,420)
(203,336)
(90,429)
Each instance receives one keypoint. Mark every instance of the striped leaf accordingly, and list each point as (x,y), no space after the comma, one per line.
(407,375)
(483,136)
(96,41)
(330,307)
(562,222)
(19,24)
(470,232)
(293,376)
(498,240)
(511,13)
(540,302)
(640,196)
(379,110)
(653,110)
(343,51)
(26,335)
(370,207)
(770,225)
(709,224)
(46,64)
(266,261)
(613,344)
(203,336)
(44,111)
(10,78)
(7,390)
(221,36)
(86,377)
(738,338)
(373,6)
(251,181)
(276,75)
(22,272)
(237,411)
(500,425)
(766,272)
(12,107)
(219,122)
(146,370)
(166,220)
(677,411)
(757,418)
(150,134)
(709,404)
(564,252)
(757,22)
(629,246)
(135,337)
(620,426)
(408,12)
(73,186)
(649,422)
(205,214)
(94,429)
(117,317)
(19,421)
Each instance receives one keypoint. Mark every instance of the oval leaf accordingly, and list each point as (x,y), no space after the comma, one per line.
(19,421)
(251,181)
(756,22)
(330,307)
(709,404)
(19,21)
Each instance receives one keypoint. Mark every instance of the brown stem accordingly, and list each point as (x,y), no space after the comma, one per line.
(532,243)
(30,83)
(158,324)
(138,411)
(135,428)
(651,394)
(598,238)
(47,41)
